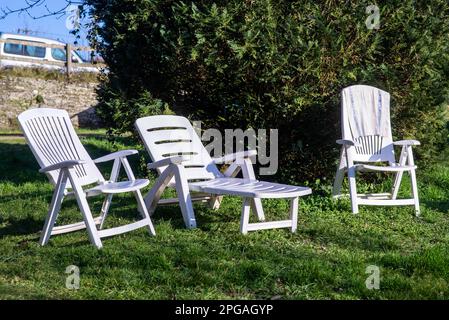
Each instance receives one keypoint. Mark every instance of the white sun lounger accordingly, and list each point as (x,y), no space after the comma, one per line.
(172,143)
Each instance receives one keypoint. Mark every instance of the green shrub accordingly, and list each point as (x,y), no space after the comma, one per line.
(275,64)
(120,112)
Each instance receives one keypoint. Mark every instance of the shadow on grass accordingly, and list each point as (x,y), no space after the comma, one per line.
(442,206)
(20,226)
(8,291)
(18,165)
(122,208)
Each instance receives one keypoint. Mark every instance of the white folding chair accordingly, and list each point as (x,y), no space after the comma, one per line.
(367,138)
(65,161)
(174,146)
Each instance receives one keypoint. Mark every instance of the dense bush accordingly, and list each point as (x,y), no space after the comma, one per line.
(275,64)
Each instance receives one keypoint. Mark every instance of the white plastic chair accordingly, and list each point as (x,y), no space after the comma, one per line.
(62,157)
(173,144)
(366,130)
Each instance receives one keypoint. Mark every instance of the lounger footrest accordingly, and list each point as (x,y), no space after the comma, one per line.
(386,202)
(249,188)
(269,225)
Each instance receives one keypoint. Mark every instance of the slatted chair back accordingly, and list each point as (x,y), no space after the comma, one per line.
(366,120)
(167,135)
(52,139)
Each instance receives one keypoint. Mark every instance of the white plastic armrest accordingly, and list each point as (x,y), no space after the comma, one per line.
(407,143)
(115,155)
(234,156)
(62,165)
(167,161)
(346,142)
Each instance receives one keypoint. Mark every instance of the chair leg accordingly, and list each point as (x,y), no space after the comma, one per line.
(138,195)
(85,210)
(245,226)
(339,176)
(398,178)
(105,209)
(248,173)
(294,213)
(55,206)
(131,177)
(256,206)
(185,199)
(244,220)
(144,211)
(153,196)
(107,201)
(215,202)
(415,192)
(411,162)
(396,185)
(353,190)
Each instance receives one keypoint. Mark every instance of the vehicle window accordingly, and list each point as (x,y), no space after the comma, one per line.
(13,48)
(75,57)
(58,54)
(31,51)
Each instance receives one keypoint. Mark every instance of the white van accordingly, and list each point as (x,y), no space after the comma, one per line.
(34,53)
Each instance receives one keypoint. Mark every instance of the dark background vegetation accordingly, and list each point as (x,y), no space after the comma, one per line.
(275,64)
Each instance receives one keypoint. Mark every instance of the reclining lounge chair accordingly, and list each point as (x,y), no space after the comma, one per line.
(184,163)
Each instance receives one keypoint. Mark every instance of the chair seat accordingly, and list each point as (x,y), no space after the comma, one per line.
(119,187)
(249,188)
(391,168)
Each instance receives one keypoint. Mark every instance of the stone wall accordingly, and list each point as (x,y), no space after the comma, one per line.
(21,93)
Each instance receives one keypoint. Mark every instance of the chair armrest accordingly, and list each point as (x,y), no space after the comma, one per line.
(234,156)
(346,142)
(407,143)
(61,165)
(167,161)
(116,155)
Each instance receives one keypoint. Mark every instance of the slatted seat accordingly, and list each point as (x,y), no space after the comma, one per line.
(120,187)
(391,168)
(366,141)
(62,157)
(173,144)
(249,188)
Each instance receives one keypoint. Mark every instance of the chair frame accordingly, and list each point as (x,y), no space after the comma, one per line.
(178,176)
(351,162)
(67,183)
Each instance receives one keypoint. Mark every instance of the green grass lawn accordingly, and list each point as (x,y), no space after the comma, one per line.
(326,258)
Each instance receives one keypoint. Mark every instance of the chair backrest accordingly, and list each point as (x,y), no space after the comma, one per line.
(365,118)
(52,139)
(165,136)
